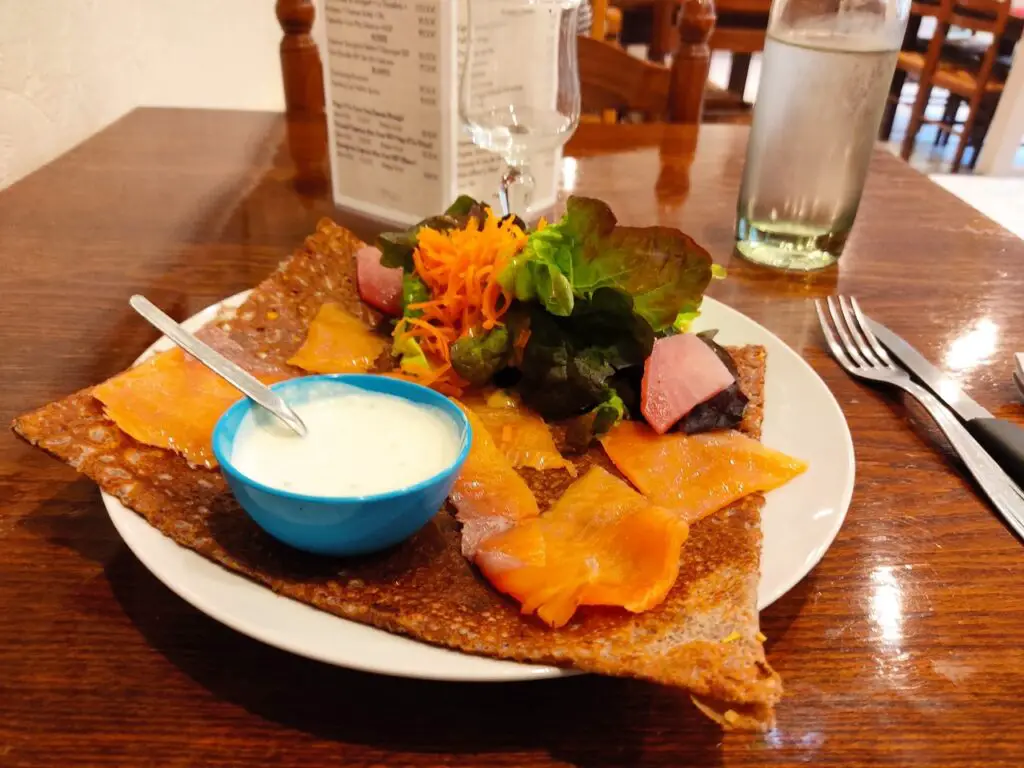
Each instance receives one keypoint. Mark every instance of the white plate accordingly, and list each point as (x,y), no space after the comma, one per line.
(799,521)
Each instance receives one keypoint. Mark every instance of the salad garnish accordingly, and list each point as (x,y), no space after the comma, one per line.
(566,314)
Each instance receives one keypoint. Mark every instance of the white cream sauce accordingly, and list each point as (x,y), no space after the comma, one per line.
(358,443)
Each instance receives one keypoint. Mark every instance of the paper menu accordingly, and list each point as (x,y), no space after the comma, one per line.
(397,147)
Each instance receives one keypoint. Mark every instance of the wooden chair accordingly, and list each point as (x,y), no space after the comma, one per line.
(741,29)
(932,69)
(607,23)
(302,73)
(651,23)
(612,80)
(970,52)
(920,10)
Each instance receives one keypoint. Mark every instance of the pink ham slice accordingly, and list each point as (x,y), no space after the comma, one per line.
(379,286)
(681,373)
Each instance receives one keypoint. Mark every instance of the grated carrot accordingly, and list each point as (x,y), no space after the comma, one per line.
(519,346)
(461,269)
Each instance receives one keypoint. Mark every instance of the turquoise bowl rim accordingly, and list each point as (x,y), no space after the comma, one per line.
(221,441)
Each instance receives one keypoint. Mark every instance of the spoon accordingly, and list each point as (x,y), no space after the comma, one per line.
(237,377)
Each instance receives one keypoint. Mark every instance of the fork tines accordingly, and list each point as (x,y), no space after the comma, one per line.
(858,351)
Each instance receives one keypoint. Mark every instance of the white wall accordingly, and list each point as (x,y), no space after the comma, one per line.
(70,67)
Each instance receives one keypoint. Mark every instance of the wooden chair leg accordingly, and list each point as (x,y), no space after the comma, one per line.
(924,89)
(613,25)
(692,61)
(599,28)
(988,107)
(739,68)
(965,137)
(974,155)
(949,119)
(300,59)
(303,94)
(663,33)
(899,77)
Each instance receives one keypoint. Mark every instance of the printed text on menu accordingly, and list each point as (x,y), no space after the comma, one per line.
(384,59)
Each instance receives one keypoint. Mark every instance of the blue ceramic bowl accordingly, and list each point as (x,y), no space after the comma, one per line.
(340,525)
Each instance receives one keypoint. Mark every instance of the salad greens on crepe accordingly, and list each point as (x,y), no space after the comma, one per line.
(589,298)
(569,362)
(478,358)
(664,271)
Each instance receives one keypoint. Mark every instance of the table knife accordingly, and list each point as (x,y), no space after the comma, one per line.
(1003,440)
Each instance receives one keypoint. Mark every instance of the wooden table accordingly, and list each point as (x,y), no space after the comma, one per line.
(903,647)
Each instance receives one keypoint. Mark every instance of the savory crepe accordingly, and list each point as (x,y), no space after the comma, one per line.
(703,637)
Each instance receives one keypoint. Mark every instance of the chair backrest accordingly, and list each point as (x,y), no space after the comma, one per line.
(740,32)
(928,8)
(940,10)
(599,25)
(741,26)
(605,19)
(989,16)
(738,39)
(611,79)
(975,15)
(981,16)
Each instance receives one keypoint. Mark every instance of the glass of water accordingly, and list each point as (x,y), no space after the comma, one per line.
(520,88)
(824,80)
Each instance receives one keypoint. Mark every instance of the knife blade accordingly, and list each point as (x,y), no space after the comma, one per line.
(1003,440)
(947,390)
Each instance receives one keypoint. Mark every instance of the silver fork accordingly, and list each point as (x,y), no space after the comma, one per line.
(861,355)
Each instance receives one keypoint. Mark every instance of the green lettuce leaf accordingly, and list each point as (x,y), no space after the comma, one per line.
(410,354)
(414,291)
(465,205)
(569,361)
(608,413)
(478,358)
(665,271)
(581,432)
(683,321)
(540,272)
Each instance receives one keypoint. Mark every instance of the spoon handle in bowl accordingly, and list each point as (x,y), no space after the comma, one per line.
(236,376)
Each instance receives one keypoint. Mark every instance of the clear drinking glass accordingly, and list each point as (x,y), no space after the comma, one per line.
(520,89)
(824,80)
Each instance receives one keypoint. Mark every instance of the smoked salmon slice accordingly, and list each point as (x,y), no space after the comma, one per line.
(489,495)
(696,475)
(522,435)
(173,401)
(602,543)
(338,342)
